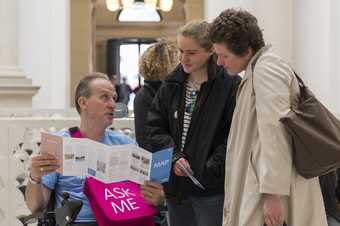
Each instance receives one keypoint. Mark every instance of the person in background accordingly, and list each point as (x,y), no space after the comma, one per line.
(261,184)
(154,65)
(192,112)
(124,92)
(116,85)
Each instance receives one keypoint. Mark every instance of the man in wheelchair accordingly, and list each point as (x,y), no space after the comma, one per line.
(95,100)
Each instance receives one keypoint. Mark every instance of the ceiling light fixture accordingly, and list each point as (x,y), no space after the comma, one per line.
(163,5)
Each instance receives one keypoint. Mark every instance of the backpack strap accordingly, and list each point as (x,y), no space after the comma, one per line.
(150,88)
(75,132)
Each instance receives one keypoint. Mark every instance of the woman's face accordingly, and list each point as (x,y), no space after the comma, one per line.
(234,64)
(192,56)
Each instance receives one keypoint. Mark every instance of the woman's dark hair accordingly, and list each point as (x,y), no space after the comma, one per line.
(238,30)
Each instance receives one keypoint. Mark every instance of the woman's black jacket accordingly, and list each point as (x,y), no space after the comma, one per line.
(205,146)
(142,104)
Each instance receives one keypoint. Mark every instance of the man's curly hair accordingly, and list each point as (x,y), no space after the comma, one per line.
(158,61)
(238,30)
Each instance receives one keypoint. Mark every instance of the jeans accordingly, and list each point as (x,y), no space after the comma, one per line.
(332,222)
(196,211)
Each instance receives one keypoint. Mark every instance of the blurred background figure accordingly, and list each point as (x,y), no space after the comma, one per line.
(124,91)
(116,85)
(154,65)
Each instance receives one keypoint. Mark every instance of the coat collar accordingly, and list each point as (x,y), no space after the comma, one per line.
(154,84)
(180,76)
(252,62)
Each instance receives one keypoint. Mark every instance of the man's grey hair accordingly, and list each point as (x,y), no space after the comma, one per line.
(83,88)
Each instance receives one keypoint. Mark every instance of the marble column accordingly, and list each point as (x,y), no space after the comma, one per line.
(316,48)
(15,89)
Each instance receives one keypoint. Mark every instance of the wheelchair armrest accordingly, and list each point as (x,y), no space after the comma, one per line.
(63,215)
(42,218)
(67,213)
(27,219)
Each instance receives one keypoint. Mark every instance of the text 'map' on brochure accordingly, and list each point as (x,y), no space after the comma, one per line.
(82,156)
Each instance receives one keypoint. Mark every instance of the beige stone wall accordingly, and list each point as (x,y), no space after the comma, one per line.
(92,25)
(101,64)
(107,26)
(81,42)
(140,30)
(194,9)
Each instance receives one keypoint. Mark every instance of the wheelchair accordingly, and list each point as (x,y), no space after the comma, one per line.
(67,213)
(51,216)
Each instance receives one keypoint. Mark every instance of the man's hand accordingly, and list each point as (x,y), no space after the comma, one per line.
(178,170)
(273,210)
(42,164)
(153,193)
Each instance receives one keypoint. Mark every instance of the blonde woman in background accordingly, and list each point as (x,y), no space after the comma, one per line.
(154,66)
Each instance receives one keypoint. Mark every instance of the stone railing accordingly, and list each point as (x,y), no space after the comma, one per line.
(20,135)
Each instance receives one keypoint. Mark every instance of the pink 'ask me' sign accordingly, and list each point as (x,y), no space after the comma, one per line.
(118,204)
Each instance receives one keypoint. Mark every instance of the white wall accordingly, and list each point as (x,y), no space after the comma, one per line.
(274,17)
(316,48)
(312,44)
(335,60)
(44,49)
(213,8)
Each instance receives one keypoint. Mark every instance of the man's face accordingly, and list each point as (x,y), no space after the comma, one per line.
(100,106)
(234,64)
(192,56)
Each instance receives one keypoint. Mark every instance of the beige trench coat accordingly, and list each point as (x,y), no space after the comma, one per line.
(259,158)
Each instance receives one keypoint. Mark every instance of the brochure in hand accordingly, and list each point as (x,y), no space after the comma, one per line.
(81,156)
(192,178)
